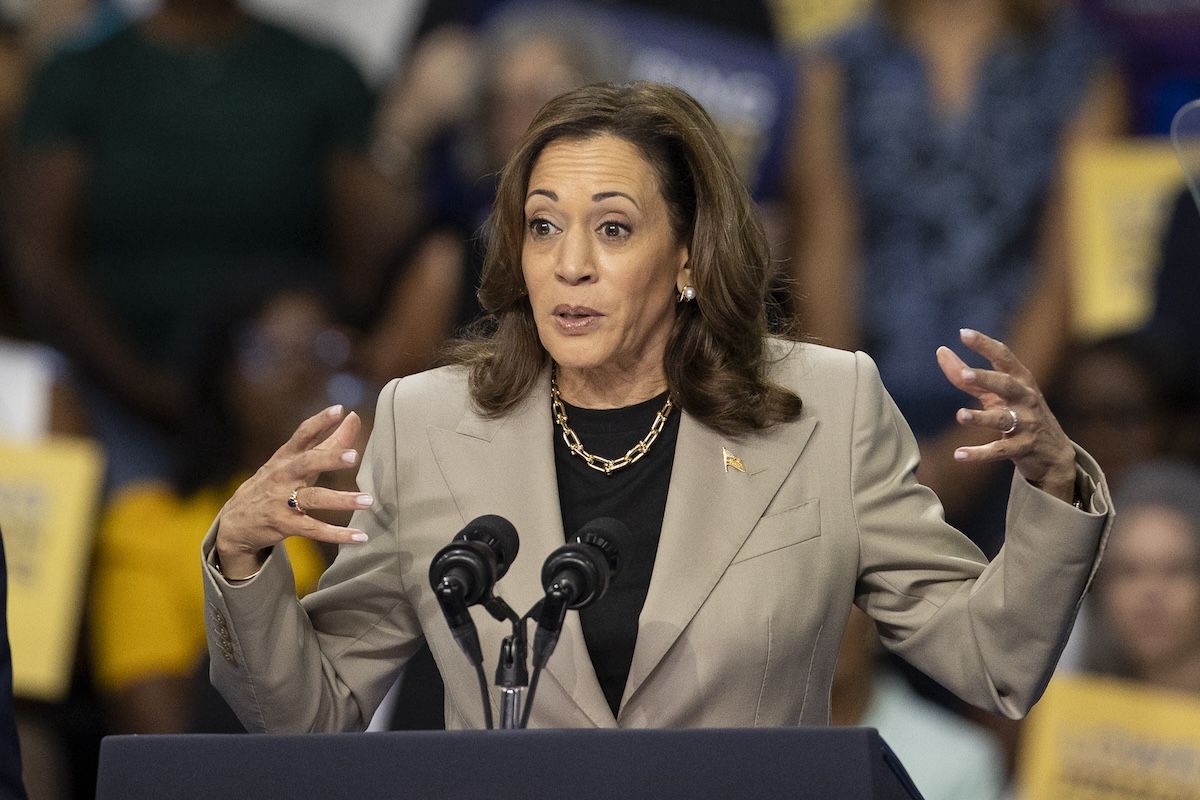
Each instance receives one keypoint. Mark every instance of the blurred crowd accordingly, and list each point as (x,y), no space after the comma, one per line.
(218,218)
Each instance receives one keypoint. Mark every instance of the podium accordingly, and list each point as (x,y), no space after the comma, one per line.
(748,764)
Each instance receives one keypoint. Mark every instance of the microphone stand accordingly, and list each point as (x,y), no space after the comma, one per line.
(550,612)
(512,676)
(512,671)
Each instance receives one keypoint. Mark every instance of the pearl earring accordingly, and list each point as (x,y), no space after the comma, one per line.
(687,294)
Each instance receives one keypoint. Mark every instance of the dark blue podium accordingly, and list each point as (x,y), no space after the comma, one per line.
(748,764)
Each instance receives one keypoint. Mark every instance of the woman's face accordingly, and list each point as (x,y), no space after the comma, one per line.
(601,262)
(1151,587)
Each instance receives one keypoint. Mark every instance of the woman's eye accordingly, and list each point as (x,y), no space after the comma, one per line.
(613,230)
(540,227)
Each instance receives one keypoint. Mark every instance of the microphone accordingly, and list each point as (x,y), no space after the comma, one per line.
(464,572)
(581,569)
(476,558)
(575,576)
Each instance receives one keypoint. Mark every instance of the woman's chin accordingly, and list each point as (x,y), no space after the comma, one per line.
(575,355)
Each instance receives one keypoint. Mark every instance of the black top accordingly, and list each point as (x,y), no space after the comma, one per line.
(637,496)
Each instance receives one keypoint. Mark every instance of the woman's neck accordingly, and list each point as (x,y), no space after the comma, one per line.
(928,20)
(600,388)
(953,39)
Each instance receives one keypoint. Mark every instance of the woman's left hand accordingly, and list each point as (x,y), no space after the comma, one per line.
(1012,405)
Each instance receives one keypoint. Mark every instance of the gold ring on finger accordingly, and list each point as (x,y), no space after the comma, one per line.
(293,501)
(1013,422)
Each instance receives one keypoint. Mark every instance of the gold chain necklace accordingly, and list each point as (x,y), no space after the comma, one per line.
(605,465)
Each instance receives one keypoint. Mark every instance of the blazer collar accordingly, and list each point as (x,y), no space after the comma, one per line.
(505,466)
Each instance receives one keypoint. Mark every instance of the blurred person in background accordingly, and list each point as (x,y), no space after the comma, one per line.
(1120,718)
(13,68)
(1114,399)
(927,192)
(164,172)
(437,87)
(265,370)
(1146,603)
(434,89)
(524,59)
(1173,331)
(25,31)
(947,757)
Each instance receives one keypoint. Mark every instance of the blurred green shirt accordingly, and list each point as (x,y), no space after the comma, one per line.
(206,174)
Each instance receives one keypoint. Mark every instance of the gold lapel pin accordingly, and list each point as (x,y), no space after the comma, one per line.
(732,461)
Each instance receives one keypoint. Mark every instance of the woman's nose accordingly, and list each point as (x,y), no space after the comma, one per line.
(576,263)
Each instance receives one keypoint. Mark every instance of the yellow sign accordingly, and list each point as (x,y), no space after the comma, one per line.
(1118,198)
(1096,738)
(48,495)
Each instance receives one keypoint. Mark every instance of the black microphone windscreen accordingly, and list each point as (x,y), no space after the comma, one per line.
(610,535)
(498,534)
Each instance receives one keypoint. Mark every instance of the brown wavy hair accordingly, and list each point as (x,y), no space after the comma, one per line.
(716,361)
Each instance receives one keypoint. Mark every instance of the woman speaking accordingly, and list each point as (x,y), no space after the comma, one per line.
(627,371)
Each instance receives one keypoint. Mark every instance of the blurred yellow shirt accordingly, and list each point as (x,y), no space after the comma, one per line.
(147,609)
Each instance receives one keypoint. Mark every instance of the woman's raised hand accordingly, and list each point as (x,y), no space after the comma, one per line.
(273,504)
(1013,405)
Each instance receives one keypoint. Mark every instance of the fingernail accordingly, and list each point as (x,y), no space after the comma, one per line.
(364,500)
(334,411)
(968,374)
(960,455)
(967,334)
(963,415)
(358,537)
(350,456)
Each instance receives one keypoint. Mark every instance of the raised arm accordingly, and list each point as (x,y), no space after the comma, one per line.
(279,670)
(991,633)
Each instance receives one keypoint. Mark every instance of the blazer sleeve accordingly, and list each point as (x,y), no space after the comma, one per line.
(991,633)
(324,664)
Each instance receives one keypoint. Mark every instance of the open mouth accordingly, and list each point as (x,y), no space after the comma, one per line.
(576,318)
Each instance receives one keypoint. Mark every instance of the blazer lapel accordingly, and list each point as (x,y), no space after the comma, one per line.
(711,509)
(505,466)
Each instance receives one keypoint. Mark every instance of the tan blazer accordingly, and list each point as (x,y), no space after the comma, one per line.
(753,581)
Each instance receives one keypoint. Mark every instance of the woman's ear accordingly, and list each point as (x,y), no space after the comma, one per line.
(684,276)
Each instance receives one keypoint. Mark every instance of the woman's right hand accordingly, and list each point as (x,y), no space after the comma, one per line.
(259,515)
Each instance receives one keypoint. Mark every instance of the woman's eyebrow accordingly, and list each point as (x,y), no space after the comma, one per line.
(596,198)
